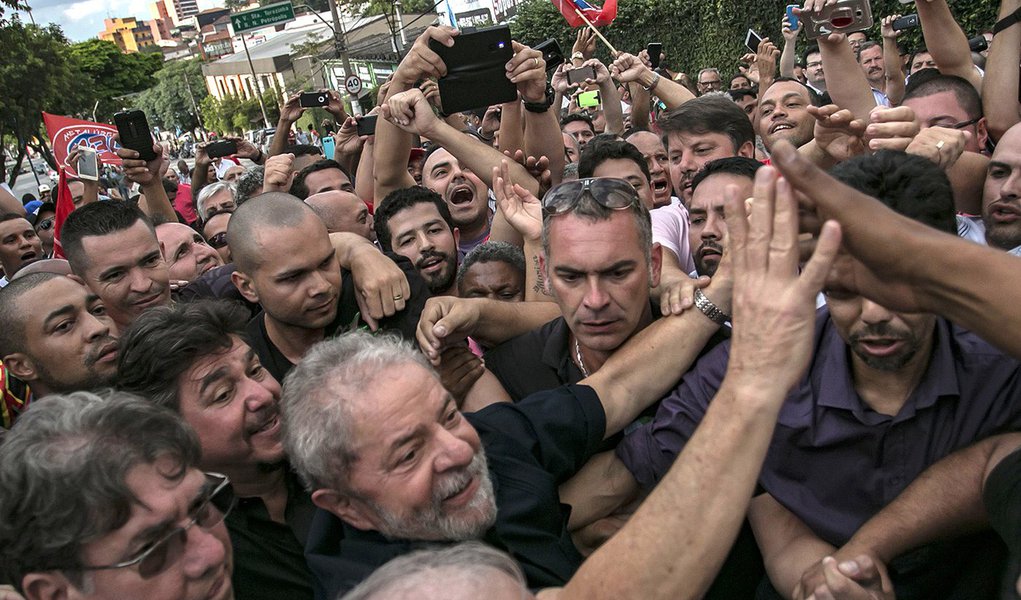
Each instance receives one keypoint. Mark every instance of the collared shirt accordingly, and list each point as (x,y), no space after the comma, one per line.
(881,98)
(833,461)
(670,230)
(538,360)
(269,560)
(532,447)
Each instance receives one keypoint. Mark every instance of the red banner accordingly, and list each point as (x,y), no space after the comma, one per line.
(598,17)
(66,134)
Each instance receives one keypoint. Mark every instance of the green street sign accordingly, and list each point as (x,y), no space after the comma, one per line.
(265,16)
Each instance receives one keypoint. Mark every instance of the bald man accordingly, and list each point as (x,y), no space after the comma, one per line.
(343,211)
(186,252)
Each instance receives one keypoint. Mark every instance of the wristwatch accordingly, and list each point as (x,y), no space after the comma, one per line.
(577,56)
(709,309)
(543,106)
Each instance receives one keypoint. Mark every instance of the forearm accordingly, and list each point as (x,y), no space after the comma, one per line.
(348,160)
(478,157)
(894,71)
(641,106)
(502,231)
(10,204)
(199,180)
(946,42)
(348,246)
(543,138)
(596,491)
(814,153)
(943,502)
(156,203)
(612,111)
(500,321)
(512,128)
(363,177)
(787,59)
(967,178)
(91,192)
(642,560)
(535,283)
(1000,86)
(391,173)
(788,546)
(845,81)
(279,143)
(629,382)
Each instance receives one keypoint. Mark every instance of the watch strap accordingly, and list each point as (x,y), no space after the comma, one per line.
(709,309)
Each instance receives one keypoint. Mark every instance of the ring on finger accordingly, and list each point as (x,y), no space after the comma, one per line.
(398,297)
(536,60)
(939,144)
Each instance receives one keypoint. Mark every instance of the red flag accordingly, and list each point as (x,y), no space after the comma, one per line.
(66,134)
(597,16)
(65,205)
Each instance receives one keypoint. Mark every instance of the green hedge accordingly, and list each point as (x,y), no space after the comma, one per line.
(702,33)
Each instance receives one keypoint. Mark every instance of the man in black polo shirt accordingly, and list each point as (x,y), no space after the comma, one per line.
(285,262)
(193,358)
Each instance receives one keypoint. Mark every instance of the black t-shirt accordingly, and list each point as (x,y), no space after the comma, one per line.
(1002,497)
(269,560)
(404,323)
(532,447)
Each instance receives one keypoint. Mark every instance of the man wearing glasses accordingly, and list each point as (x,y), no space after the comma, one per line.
(43,224)
(101,497)
(709,80)
(947,101)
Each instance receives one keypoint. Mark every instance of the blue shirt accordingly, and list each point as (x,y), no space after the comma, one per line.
(833,461)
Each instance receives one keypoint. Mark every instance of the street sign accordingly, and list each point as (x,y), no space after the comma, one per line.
(265,16)
(353,85)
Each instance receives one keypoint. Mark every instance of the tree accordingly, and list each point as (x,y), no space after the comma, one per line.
(113,73)
(369,8)
(37,73)
(15,4)
(168,103)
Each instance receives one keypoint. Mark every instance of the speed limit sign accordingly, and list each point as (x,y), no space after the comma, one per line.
(353,85)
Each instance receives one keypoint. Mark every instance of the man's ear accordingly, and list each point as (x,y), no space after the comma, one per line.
(747,150)
(243,282)
(348,509)
(457,238)
(21,366)
(45,586)
(655,265)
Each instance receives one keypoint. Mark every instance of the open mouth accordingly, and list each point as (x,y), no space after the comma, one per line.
(30,255)
(781,127)
(431,263)
(268,425)
(462,194)
(1005,212)
(880,346)
(660,186)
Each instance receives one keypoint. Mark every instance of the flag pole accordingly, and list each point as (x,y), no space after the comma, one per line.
(613,51)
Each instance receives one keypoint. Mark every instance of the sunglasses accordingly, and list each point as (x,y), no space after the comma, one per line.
(218,241)
(608,192)
(45,224)
(212,509)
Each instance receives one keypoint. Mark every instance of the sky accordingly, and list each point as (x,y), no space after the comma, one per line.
(83,19)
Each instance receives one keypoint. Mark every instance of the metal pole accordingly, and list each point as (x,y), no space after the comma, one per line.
(255,78)
(339,46)
(191,96)
(400,27)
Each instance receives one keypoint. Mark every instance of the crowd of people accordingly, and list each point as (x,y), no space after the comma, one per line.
(755,342)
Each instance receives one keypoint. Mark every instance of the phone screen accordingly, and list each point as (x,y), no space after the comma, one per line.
(589,99)
(579,75)
(752,40)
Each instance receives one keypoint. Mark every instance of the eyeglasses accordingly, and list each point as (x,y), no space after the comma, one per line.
(615,194)
(963,124)
(210,512)
(45,224)
(218,241)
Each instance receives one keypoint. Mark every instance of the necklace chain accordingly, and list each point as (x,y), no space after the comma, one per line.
(580,360)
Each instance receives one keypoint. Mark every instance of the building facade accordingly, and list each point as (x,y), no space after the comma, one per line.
(130,34)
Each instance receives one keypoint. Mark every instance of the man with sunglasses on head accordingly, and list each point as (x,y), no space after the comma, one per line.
(101,497)
(43,224)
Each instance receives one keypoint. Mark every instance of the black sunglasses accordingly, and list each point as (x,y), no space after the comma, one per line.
(615,194)
(45,224)
(219,240)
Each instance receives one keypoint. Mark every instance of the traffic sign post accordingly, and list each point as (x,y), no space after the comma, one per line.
(353,85)
(265,16)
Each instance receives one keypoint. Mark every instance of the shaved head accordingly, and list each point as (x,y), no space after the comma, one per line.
(12,325)
(273,210)
(342,211)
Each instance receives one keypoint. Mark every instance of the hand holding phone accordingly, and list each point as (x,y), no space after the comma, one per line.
(580,75)
(87,166)
(367,125)
(905,22)
(752,41)
(221,148)
(313,99)
(134,133)
(792,18)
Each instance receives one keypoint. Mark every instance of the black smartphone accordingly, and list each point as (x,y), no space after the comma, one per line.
(476,69)
(978,44)
(551,53)
(655,49)
(752,41)
(311,99)
(905,22)
(367,125)
(221,148)
(579,75)
(133,129)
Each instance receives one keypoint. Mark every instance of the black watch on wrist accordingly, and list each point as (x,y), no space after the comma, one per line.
(541,107)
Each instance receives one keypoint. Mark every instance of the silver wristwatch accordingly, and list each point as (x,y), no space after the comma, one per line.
(709,309)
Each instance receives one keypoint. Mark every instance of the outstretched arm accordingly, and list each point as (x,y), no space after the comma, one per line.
(1000,89)
(946,42)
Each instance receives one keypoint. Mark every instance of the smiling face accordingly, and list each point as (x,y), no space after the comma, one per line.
(419,471)
(465,194)
(186,253)
(602,289)
(126,269)
(1001,202)
(19,245)
(70,342)
(232,403)
(420,234)
(783,115)
(652,149)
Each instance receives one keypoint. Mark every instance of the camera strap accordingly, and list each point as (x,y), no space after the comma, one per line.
(1008,21)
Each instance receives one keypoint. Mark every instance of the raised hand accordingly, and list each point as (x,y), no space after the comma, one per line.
(521,209)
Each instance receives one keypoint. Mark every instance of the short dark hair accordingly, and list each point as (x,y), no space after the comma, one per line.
(11,216)
(741,93)
(601,150)
(298,187)
(249,184)
(911,185)
(12,324)
(813,97)
(492,252)
(813,49)
(866,45)
(63,480)
(402,199)
(164,342)
(571,118)
(715,113)
(732,165)
(927,82)
(97,219)
(302,150)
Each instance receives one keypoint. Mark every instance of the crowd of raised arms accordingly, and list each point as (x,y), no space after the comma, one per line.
(748,343)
